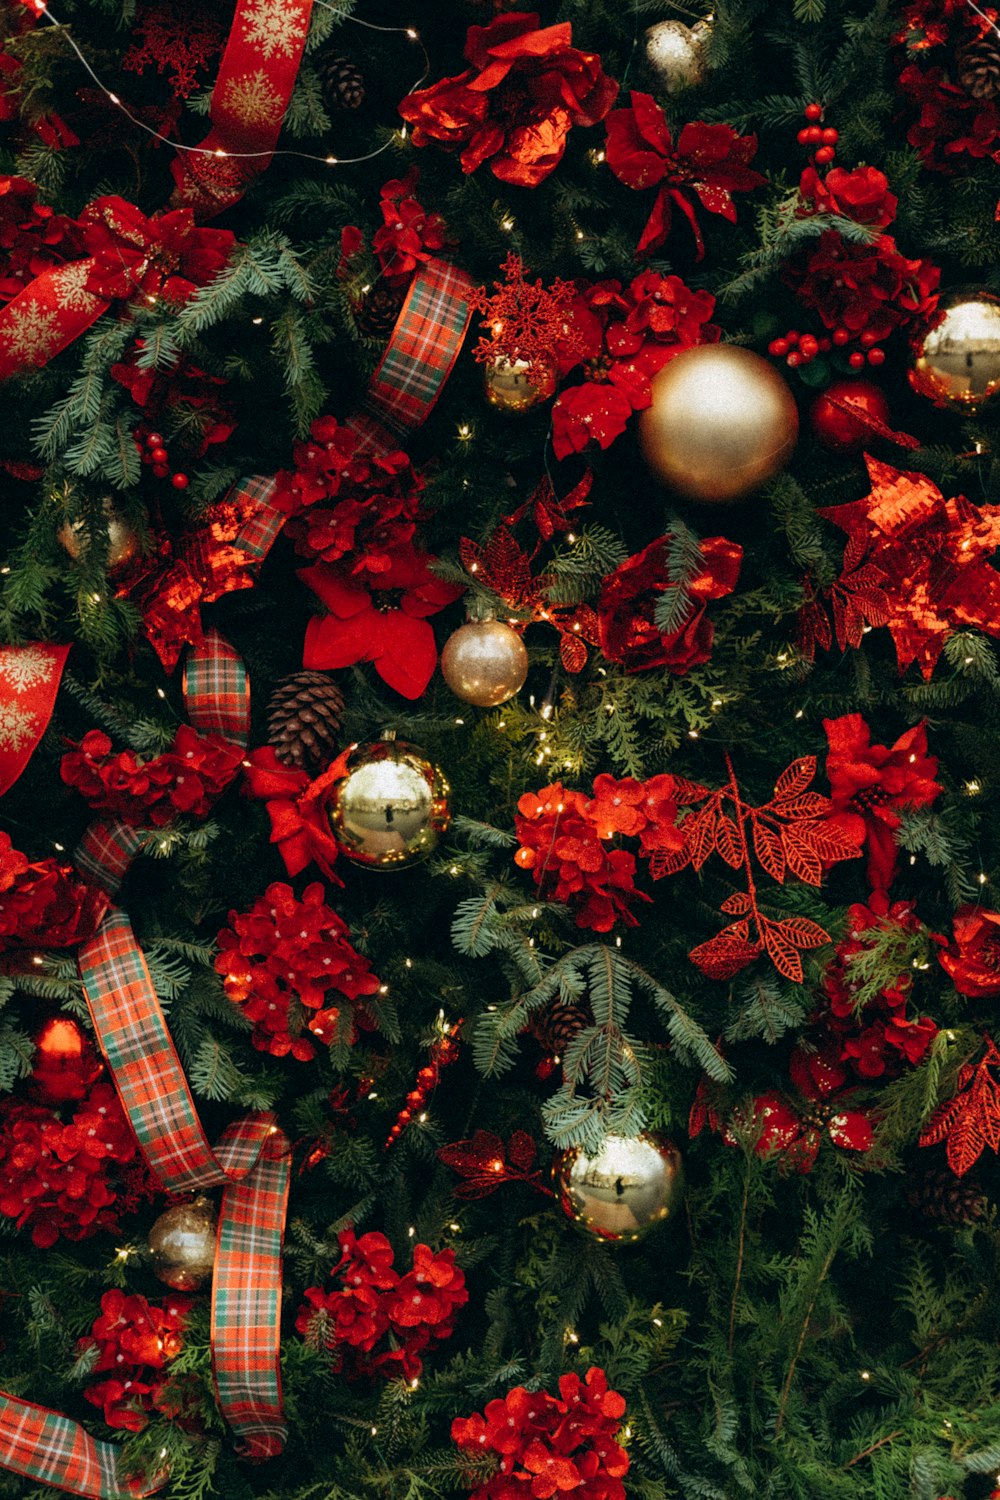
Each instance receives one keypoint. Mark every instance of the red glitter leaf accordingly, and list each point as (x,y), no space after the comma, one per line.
(970,1122)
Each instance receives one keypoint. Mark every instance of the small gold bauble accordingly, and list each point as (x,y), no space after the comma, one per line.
(721,422)
(182,1245)
(676,54)
(509,388)
(123,543)
(630,1186)
(956,354)
(484,663)
(391,808)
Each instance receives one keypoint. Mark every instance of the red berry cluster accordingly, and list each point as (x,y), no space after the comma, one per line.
(153,451)
(443,1052)
(548,1445)
(136,1340)
(824,138)
(281,959)
(376,1306)
(187,778)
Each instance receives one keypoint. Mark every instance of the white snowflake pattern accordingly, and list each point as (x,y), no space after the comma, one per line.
(24,667)
(18,727)
(274,26)
(252,99)
(30,333)
(70,283)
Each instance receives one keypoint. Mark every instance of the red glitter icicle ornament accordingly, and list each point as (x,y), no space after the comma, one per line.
(443,1052)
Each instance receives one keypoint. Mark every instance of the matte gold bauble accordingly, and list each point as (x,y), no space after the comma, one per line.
(391,808)
(509,387)
(630,1186)
(182,1245)
(676,54)
(956,354)
(484,663)
(721,422)
(123,543)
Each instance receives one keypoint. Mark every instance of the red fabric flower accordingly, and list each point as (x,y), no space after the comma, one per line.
(876,781)
(949,122)
(515,104)
(862,195)
(870,289)
(374,1303)
(792,1131)
(381,618)
(136,1340)
(295,806)
(708,165)
(285,958)
(548,1444)
(627,607)
(166,256)
(45,904)
(621,336)
(33,237)
(562,846)
(188,778)
(409,234)
(186,392)
(12,862)
(973,960)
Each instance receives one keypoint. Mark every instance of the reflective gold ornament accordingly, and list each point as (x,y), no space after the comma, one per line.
(509,387)
(956,354)
(182,1245)
(123,543)
(721,422)
(484,663)
(677,54)
(391,808)
(631,1185)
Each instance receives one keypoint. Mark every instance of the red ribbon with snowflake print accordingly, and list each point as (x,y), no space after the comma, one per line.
(251,94)
(29,681)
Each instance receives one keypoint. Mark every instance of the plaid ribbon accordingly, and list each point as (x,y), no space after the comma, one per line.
(48,1448)
(217,689)
(422,352)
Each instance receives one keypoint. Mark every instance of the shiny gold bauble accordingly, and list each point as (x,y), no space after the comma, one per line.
(630,1186)
(509,388)
(391,808)
(956,354)
(676,54)
(123,543)
(484,663)
(182,1245)
(721,422)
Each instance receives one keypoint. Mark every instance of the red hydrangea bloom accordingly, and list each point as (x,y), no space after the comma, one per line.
(621,336)
(284,961)
(45,904)
(136,1340)
(188,778)
(54,1173)
(862,195)
(950,123)
(167,256)
(707,166)
(870,289)
(627,606)
(551,1444)
(876,781)
(973,960)
(408,234)
(517,101)
(374,1303)
(562,847)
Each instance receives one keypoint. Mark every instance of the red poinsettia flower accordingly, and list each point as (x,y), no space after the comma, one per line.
(973,960)
(166,256)
(708,165)
(793,1132)
(627,607)
(515,104)
(876,781)
(383,621)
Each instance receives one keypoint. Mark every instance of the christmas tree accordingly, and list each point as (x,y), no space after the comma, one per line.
(498,945)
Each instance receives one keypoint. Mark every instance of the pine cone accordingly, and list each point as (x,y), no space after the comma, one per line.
(978,67)
(555,1027)
(341,81)
(375,315)
(303,719)
(939,1194)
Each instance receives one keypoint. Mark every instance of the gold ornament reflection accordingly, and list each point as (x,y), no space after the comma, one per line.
(956,355)
(391,808)
(630,1186)
(484,663)
(677,54)
(509,387)
(122,542)
(182,1245)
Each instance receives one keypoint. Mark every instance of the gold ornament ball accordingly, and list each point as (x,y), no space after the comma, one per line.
(510,388)
(956,354)
(391,808)
(676,54)
(721,422)
(123,543)
(630,1186)
(182,1245)
(484,663)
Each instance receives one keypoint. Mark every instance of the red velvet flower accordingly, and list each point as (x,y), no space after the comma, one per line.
(381,618)
(515,104)
(950,123)
(409,234)
(45,904)
(876,781)
(708,165)
(792,1131)
(136,1340)
(870,289)
(621,336)
(973,960)
(862,195)
(285,958)
(12,862)
(627,607)
(188,778)
(295,806)
(33,237)
(166,256)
